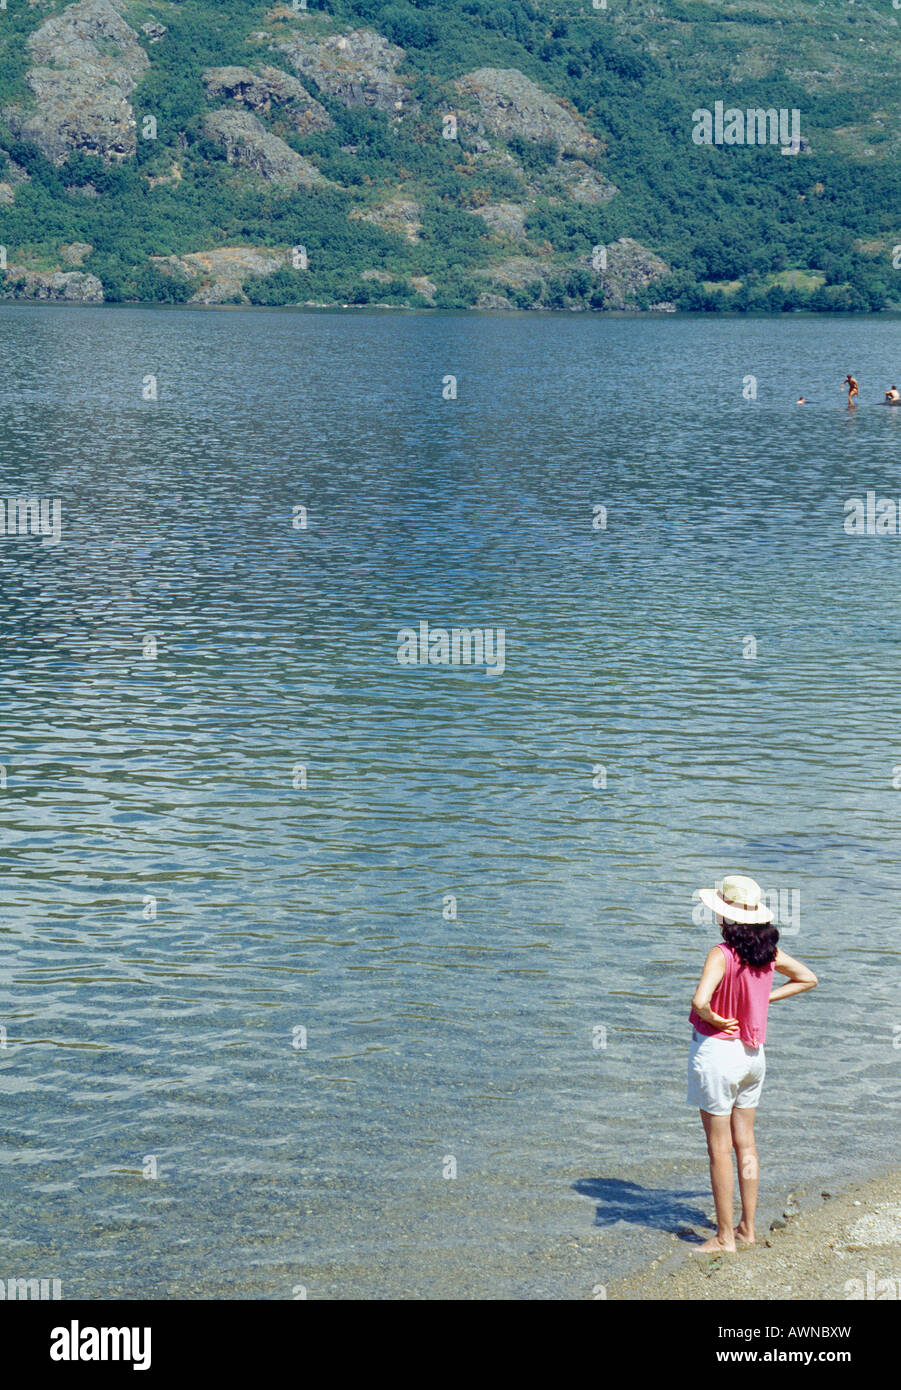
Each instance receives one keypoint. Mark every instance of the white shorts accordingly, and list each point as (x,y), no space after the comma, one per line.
(724,1073)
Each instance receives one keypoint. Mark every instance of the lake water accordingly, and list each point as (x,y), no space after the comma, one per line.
(303,1041)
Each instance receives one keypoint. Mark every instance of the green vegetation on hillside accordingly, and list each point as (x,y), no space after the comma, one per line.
(731,223)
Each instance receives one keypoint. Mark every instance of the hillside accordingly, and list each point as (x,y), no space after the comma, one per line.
(474,153)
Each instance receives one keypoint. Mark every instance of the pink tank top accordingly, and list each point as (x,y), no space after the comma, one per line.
(742,993)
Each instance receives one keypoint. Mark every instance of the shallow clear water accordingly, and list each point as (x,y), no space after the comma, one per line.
(283,907)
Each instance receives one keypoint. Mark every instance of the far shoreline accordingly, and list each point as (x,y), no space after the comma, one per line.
(656,314)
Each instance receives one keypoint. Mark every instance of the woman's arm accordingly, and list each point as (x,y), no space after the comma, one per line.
(711,975)
(801,978)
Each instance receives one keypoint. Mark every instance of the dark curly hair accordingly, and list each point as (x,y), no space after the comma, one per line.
(755,945)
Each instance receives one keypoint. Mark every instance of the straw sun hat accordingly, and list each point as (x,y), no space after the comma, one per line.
(739,899)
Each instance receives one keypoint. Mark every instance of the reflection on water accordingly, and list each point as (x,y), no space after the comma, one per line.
(292,925)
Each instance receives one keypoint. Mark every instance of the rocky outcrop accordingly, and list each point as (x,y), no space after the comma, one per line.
(87,63)
(512,105)
(77,111)
(504,219)
(57,286)
(221,274)
(357,69)
(267,89)
(90,32)
(174,176)
(74,252)
(248,143)
(630,267)
(488,300)
(13,177)
(424,287)
(398,215)
(519,271)
(584,184)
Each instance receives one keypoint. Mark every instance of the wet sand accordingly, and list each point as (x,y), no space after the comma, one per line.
(839,1247)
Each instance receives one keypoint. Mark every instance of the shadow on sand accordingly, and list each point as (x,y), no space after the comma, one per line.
(657,1207)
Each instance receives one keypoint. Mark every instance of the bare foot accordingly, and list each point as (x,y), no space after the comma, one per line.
(744,1237)
(714,1246)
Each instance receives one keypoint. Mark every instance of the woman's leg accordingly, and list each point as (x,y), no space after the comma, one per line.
(718,1129)
(748,1170)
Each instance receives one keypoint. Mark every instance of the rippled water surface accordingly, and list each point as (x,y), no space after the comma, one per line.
(174,1043)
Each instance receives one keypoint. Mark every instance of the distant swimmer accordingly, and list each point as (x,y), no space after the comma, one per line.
(800,401)
(853,387)
(893,395)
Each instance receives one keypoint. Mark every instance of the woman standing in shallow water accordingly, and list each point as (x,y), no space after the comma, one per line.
(726,1063)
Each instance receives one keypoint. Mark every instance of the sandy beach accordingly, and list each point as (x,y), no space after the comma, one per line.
(836,1247)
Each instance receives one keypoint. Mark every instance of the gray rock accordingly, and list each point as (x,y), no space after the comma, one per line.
(504,219)
(519,271)
(424,287)
(270,87)
(511,104)
(488,300)
(248,144)
(15,177)
(630,267)
(397,215)
(75,252)
(91,32)
(154,30)
(584,184)
(357,68)
(77,111)
(87,63)
(221,273)
(59,286)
